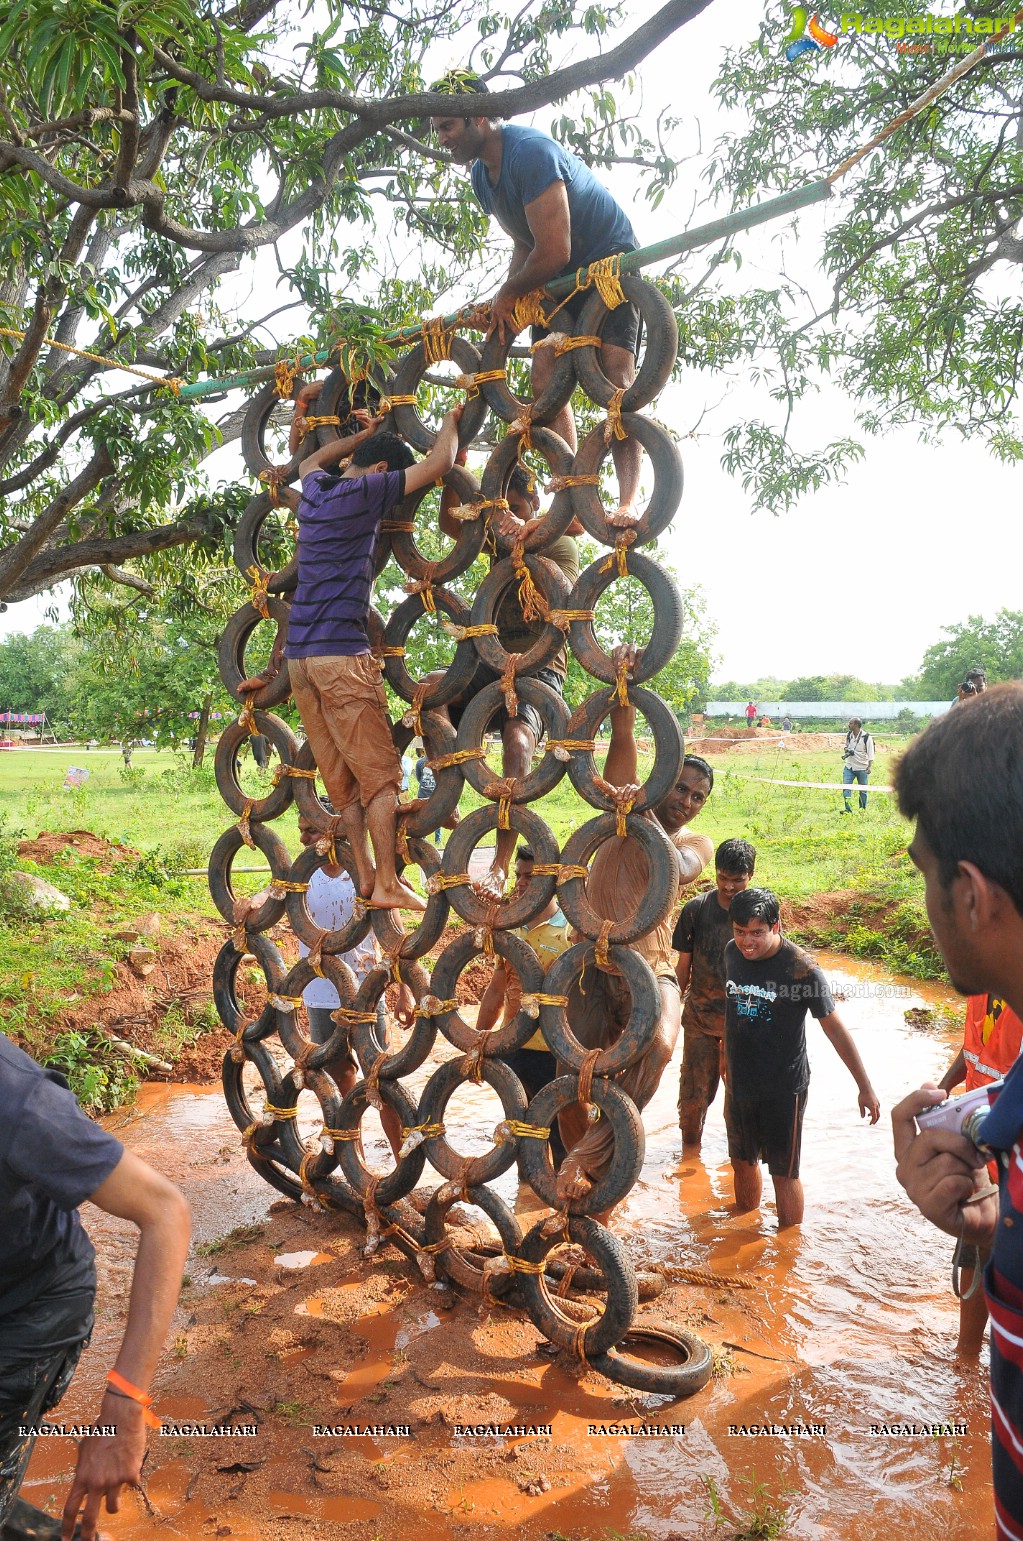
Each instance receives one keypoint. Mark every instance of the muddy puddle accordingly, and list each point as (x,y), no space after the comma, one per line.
(845,1338)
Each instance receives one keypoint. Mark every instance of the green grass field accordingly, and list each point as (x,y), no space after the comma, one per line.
(171,815)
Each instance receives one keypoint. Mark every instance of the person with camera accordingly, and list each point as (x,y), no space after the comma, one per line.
(962,781)
(857,760)
(974,684)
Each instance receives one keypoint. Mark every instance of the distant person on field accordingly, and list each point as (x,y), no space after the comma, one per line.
(704,928)
(991,1043)
(786,724)
(857,760)
(334,677)
(751,714)
(426,781)
(770,985)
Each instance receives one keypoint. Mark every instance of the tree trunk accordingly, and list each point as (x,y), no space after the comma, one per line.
(203,729)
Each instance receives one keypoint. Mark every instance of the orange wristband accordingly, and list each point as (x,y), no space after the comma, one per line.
(125,1387)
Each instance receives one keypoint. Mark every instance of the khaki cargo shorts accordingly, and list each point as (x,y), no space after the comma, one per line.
(343,708)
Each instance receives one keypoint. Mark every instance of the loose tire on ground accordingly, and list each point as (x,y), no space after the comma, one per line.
(682,1380)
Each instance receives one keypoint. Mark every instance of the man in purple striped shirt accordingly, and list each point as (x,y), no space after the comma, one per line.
(334,677)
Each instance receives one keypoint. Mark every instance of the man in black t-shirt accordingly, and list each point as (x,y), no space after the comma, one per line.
(770,985)
(703,929)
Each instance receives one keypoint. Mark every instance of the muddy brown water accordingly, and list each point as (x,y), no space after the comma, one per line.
(847,1336)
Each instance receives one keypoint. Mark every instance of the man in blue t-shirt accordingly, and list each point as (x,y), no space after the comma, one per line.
(962,781)
(53,1158)
(560,218)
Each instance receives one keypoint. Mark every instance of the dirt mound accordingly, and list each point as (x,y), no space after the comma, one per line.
(742,741)
(49,844)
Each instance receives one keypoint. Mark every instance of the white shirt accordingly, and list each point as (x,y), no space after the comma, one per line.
(331,903)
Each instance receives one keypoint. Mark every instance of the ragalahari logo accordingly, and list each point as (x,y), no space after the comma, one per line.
(797,43)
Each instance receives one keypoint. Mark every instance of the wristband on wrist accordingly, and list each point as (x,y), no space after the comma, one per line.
(124,1388)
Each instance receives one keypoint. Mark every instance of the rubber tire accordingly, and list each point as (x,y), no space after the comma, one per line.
(324,1089)
(418,1046)
(669,747)
(668,617)
(537,1169)
(425,814)
(246,542)
(305,928)
(666,463)
(340,975)
(225,974)
(435,1097)
(446,971)
(620,1282)
(407,421)
(661,331)
(679,1381)
(497,474)
(520,910)
(219,874)
(467,547)
(662,884)
(231,653)
(257,415)
(433,922)
(648,1285)
(644,1013)
(462,667)
(335,400)
(473,726)
(456,1265)
(225,767)
(553,587)
(498,393)
(408,1170)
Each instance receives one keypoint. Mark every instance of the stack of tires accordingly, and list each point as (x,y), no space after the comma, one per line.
(273,1074)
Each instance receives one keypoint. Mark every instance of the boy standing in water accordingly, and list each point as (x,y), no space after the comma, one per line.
(770,985)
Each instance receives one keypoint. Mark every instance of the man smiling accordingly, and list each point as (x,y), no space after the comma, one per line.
(770,985)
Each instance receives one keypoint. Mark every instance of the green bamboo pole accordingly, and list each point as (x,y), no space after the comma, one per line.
(632,262)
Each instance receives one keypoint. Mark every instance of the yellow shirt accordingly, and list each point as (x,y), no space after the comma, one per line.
(548,939)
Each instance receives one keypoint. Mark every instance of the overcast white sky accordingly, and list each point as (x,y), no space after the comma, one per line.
(858,578)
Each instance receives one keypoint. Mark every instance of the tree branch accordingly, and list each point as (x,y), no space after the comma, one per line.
(16,560)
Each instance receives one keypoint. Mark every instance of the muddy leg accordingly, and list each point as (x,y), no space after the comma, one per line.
(354,821)
(388,890)
(748,1185)
(788,1196)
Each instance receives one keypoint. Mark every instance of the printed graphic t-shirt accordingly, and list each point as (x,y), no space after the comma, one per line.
(52,1157)
(765,1020)
(338,525)
(704,930)
(531,162)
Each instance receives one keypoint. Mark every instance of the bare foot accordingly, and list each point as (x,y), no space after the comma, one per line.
(492,884)
(400,897)
(624,514)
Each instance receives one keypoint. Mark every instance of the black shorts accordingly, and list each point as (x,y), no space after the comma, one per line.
(623,326)
(485,676)
(767,1129)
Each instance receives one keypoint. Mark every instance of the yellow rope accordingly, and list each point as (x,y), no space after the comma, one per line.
(432,1007)
(286,372)
(613,428)
(243,826)
(457,757)
(464,633)
(622,811)
(571,870)
(285,1002)
(556,483)
(428,1131)
(172,382)
(342,1014)
(442,880)
(622,544)
(392,652)
(529,310)
(281,1113)
(388,403)
(564,619)
(560,342)
(437,340)
(292,770)
(606,275)
(280,886)
(520,1265)
(257,594)
(526,1131)
(584,745)
(470,384)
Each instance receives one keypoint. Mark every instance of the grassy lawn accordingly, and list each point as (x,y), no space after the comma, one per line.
(172,815)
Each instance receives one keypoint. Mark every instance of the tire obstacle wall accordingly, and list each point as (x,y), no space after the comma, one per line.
(329,1168)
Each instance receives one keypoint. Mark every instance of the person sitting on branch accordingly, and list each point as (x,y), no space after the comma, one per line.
(560,219)
(334,677)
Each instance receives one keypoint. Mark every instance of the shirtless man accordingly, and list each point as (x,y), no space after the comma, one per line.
(618,878)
